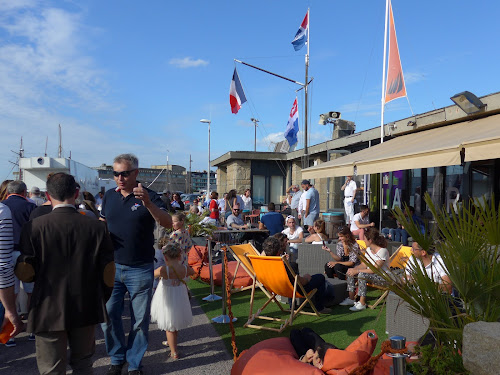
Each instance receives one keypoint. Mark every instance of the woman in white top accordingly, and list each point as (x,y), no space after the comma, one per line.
(319,234)
(247,201)
(295,235)
(377,255)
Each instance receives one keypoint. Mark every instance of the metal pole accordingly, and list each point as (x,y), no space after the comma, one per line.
(212,297)
(255,137)
(224,318)
(398,360)
(208,170)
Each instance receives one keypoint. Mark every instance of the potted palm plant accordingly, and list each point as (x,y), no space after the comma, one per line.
(468,242)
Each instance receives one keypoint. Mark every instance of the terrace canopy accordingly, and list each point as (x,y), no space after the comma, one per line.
(479,139)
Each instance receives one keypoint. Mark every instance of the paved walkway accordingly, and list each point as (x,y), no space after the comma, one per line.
(201,348)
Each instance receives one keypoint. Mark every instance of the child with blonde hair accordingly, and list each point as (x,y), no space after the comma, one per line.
(181,235)
(170,307)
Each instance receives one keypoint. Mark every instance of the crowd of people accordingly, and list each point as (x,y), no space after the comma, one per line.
(45,238)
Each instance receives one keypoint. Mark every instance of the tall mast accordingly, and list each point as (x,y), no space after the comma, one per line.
(21,155)
(59,153)
(382,101)
(306,159)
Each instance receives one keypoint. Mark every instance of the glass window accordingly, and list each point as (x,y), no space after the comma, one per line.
(416,190)
(482,180)
(259,189)
(453,186)
(434,188)
(276,189)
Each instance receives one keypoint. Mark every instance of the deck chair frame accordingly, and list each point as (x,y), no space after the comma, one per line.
(298,288)
(395,258)
(239,261)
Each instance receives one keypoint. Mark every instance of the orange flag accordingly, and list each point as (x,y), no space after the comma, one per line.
(395,85)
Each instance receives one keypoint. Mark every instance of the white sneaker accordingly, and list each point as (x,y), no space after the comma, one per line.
(347,302)
(357,307)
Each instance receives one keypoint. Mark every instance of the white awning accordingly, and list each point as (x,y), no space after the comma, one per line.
(430,148)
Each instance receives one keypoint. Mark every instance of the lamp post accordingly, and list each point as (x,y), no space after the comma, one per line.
(205,121)
(255,121)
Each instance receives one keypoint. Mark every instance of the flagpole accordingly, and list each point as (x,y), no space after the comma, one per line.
(383,106)
(306,158)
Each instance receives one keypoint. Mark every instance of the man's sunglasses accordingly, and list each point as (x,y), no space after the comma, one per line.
(236,209)
(124,173)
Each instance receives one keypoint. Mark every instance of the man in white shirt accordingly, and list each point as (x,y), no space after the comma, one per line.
(349,188)
(430,262)
(293,200)
(360,222)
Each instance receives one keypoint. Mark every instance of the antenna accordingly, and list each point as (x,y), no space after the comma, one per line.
(46,143)
(59,153)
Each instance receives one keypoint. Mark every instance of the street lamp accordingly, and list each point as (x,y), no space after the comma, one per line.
(205,121)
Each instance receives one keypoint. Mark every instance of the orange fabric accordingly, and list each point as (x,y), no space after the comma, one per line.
(395,85)
(273,356)
(242,277)
(402,257)
(339,362)
(271,272)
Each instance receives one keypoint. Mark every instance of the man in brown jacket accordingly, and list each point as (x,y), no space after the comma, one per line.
(70,258)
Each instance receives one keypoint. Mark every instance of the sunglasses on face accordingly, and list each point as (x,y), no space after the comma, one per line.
(123,174)
(236,209)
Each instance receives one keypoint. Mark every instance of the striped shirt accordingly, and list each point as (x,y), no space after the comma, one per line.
(6,248)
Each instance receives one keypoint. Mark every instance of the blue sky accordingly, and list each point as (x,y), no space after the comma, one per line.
(128,76)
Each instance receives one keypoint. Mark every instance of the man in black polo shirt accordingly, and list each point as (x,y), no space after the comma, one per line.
(131,211)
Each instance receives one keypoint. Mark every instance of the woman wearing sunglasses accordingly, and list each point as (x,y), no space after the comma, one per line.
(177,203)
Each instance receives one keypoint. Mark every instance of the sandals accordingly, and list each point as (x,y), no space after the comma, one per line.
(174,356)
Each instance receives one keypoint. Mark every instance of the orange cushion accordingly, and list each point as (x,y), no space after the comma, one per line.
(274,357)
(242,277)
(339,362)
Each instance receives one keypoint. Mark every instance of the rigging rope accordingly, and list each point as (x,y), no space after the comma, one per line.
(228,301)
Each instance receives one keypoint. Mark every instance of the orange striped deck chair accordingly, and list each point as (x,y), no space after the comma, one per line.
(398,260)
(241,253)
(271,272)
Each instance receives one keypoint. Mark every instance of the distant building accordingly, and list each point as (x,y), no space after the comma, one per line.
(172,177)
(199,181)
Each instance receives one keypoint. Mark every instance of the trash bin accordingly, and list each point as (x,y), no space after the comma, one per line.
(333,222)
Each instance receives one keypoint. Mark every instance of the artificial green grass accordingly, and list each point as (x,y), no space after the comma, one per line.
(340,327)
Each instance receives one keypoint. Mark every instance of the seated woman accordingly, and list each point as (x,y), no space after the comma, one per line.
(309,346)
(318,233)
(345,255)
(295,235)
(377,255)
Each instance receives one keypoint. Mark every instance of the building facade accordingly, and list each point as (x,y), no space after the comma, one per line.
(447,153)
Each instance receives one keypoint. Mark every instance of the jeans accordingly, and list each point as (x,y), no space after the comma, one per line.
(399,235)
(138,281)
(317,281)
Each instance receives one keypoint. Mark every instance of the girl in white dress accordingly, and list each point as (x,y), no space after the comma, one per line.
(170,307)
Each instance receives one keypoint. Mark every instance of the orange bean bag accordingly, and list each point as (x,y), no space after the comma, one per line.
(197,258)
(277,357)
(273,356)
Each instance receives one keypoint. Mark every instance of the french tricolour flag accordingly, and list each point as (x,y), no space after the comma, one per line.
(236,93)
(292,127)
(301,36)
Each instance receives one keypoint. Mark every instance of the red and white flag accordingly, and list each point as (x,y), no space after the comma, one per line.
(236,93)
(395,84)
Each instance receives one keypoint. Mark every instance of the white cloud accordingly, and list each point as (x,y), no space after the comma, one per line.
(46,76)
(187,62)
(413,77)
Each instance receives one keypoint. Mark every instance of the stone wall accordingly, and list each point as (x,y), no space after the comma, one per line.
(238,176)
(222,181)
